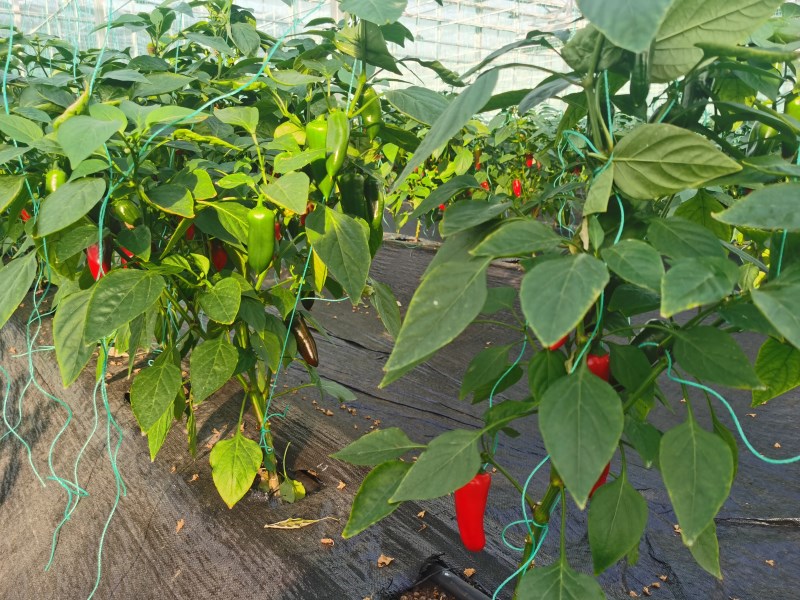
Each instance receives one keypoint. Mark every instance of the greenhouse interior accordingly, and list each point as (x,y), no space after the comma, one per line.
(400,299)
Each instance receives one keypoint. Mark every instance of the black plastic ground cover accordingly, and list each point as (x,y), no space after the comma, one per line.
(172,537)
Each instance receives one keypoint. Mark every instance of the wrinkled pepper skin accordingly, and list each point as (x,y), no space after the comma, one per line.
(260,237)
(371,115)
(306,345)
(375,207)
(351,192)
(336,142)
(470,509)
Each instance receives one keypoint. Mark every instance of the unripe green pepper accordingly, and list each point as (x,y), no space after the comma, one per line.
(351,191)
(260,237)
(375,207)
(126,211)
(336,141)
(54,179)
(371,115)
(317,139)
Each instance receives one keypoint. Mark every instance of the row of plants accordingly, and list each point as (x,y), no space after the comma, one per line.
(192,202)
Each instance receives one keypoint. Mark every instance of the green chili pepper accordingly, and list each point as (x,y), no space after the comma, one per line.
(336,141)
(351,191)
(371,116)
(375,206)
(260,237)
(73,109)
(54,179)
(316,139)
(126,211)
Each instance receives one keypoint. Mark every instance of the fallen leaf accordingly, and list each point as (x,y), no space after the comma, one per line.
(771,563)
(655,584)
(469,572)
(421,514)
(646,591)
(384,561)
(216,434)
(777,445)
(296,523)
(195,477)
(662,577)
(341,485)
(633,594)
(751,415)
(326,542)
(179,525)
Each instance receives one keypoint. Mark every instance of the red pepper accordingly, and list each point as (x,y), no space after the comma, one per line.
(442,207)
(485,185)
(124,259)
(470,508)
(219,257)
(600,365)
(93,260)
(559,343)
(477,159)
(277,231)
(529,161)
(190,232)
(25,215)
(516,187)
(600,480)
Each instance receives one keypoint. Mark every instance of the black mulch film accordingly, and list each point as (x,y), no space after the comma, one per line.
(172,536)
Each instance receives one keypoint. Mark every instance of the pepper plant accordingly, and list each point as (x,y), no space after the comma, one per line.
(183,202)
(655,197)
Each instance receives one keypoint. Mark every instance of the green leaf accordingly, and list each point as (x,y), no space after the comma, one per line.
(173,199)
(581,421)
(645,438)
(245,117)
(246,38)
(460,110)
(556,294)
(700,209)
(633,300)
(377,447)
(233,218)
(558,582)
(517,237)
(72,353)
(778,366)
(172,115)
(689,22)
(342,243)
(221,302)
(337,390)
(443,193)
(544,369)
(697,469)
(68,204)
(447,300)
(771,208)
(20,129)
(119,297)
(386,304)
(693,282)
(617,518)
(136,240)
(597,199)
(364,41)
(629,365)
(486,367)
(154,390)
(779,302)
(451,460)
(80,136)
(157,434)
(636,261)
(8,153)
(289,192)
(371,503)
(211,365)
(161,83)
(10,187)
(629,24)
(419,103)
(466,214)
(499,298)
(380,12)
(706,550)
(16,278)
(713,355)
(656,160)
(679,238)
(234,465)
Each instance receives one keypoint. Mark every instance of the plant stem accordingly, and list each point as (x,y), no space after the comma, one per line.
(654,373)
(513,481)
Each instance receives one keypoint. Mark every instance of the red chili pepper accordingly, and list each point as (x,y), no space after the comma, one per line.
(529,161)
(442,207)
(470,508)
(516,187)
(25,215)
(485,185)
(190,232)
(600,480)
(277,231)
(219,257)
(576,171)
(559,343)
(600,365)
(124,259)
(93,260)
